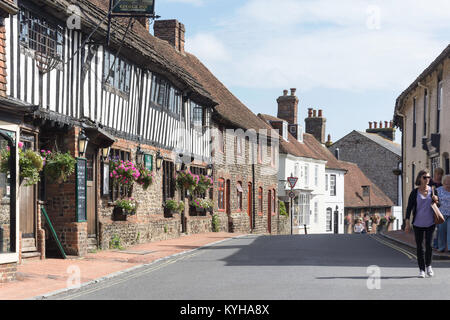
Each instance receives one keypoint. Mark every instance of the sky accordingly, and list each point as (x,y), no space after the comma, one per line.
(350,58)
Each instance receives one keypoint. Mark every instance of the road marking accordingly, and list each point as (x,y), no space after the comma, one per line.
(393,246)
(134,275)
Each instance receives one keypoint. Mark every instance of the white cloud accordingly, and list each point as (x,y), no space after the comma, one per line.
(325,43)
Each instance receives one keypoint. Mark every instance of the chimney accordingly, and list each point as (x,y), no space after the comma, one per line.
(388,132)
(370,125)
(316,126)
(288,107)
(172,31)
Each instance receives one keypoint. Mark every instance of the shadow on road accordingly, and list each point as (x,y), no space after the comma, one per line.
(364,278)
(313,250)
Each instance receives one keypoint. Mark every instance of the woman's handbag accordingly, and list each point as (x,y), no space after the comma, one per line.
(438,217)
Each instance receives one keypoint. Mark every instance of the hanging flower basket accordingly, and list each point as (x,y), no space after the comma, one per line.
(30,164)
(145,178)
(171,207)
(204,184)
(188,181)
(58,166)
(124,208)
(123,173)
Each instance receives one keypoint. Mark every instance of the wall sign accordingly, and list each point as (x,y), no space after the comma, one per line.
(148,162)
(105,179)
(81,174)
(134,6)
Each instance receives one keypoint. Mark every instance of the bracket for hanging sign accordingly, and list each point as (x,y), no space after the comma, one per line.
(130,9)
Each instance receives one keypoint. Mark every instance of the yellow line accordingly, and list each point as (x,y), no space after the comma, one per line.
(134,275)
(405,252)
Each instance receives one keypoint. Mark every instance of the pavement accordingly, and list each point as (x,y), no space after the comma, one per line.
(43,278)
(407,239)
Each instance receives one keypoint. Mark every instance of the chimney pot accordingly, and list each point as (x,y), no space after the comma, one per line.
(391,124)
(370,125)
(320,113)
(375,125)
(381,124)
(293,90)
(314,113)
(386,124)
(310,112)
(285,92)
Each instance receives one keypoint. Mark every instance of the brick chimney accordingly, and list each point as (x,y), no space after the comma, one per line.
(388,132)
(172,31)
(288,107)
(315,125)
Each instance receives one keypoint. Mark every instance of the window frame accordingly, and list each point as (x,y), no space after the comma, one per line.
(122,72)
(239,196)
(333,187)
(168,180)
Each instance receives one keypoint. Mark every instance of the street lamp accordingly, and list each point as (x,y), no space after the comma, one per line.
(209,170)
(82,143)
(139,156)
(179,164)
(159,160)
(105,153)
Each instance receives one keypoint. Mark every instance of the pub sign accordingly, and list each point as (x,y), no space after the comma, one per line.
(134,6)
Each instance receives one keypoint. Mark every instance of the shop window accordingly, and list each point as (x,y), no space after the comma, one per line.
(117,191)
(240,192)
(168,180)
(221,195)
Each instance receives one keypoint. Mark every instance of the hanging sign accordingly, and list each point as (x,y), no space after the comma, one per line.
(81,173)
(292,181)
(148,162)
(134,6)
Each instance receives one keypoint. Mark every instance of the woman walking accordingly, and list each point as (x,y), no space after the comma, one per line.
(444,201)
(419,204)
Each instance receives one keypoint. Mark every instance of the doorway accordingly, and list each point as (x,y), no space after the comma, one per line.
(28,203)
(336,222)
(250,204)
(91,183)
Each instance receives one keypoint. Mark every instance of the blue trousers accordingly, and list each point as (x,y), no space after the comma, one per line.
(444,234)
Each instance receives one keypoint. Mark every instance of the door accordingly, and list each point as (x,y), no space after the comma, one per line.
(228,194)
(91,206)
(269,212)
(336,222)
(28,203)
(250,204)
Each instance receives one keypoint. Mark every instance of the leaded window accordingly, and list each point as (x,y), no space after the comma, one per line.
(165,95)
(117,72)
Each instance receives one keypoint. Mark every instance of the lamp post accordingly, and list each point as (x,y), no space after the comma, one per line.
(105,153)
(82,144)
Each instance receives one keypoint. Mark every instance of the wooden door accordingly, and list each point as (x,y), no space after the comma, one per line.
(28,204)
(228,194)
(269,212)
(91,206)
(250,204)
(336,222)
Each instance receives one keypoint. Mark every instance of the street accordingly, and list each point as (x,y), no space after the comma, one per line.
(280,268)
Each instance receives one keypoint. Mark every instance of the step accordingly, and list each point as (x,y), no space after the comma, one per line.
(31,255)
(92,244)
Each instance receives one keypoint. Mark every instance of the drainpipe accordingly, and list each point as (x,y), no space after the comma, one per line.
(428,115)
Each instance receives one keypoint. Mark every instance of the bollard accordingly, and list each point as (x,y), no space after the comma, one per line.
(306,231)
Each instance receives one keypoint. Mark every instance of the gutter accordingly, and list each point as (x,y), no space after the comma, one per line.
(9,7)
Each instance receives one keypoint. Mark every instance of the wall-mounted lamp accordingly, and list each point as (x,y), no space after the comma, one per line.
(139,156)
(159,160)
(82,143)
(209,170)
(105,153)
(178,164)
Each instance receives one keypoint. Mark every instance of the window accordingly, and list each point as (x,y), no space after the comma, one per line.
(37,33)
(164,95)
(316,176)
(168,180)
(296,170)
(316,212)
(238,145)
(116,72)
(326,182)
(304,209)
(260,201)
(273,201)
(332,185)
(118,191)
(413,171)
(221,195)
(196,114)
(440,95)
(425,105)
(414,124)
(240,191)
(435,163)
(306,174)
(329,220)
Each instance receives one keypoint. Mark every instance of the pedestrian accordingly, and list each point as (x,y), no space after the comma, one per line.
(444,201)
(436,182)
(359,227)
(419,204)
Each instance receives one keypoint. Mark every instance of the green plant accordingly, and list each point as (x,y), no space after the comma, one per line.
(216,223)
(129,206)
(174,206)
(187,180)
(202,204)
(114,243)
(58,166)
(165,228)
(123,172)
(145,178)
(30,164)
(392,219)
(282,208)
(204,184)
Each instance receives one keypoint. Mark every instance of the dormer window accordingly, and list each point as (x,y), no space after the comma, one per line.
(196,114)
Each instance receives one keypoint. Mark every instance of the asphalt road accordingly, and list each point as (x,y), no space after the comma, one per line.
(280,268)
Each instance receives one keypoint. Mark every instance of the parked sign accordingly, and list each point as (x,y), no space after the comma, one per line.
(134,6)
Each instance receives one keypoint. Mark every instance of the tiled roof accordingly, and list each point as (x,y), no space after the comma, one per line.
(385,143)
(355,179)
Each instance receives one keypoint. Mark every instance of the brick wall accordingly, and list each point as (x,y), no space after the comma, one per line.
(8,272)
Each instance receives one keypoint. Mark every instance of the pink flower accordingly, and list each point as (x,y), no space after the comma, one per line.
(20,144)
(111,175)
